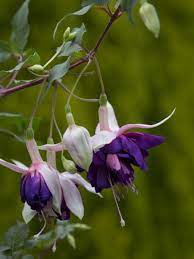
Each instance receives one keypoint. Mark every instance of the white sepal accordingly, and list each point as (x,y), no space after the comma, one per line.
(72,197)
(13,167)
(27,213)
(78,180)
(101,139)
(51,178)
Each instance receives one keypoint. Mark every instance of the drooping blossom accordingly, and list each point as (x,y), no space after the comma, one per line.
(117,151)
(40,185)
(71,200)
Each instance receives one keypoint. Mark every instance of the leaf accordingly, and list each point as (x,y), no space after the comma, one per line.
(127,6)
(27,257)
(32,60)
(69,48)
(4,248)
(20,27)
(71,241)
(5,51)
(16,236)
(80,12)
(79,33)
(97,2)
(58,71)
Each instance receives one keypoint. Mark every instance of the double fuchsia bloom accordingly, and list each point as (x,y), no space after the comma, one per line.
(117,152)
(40,187)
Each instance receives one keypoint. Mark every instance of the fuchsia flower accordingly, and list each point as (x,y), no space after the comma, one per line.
(40,186)
(117,151)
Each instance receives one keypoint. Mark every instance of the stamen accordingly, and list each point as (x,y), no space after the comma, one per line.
(122,222)
(54,247)
(43,228)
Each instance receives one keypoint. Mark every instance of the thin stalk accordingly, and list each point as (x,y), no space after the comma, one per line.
(76,96)
(53,57)
(77,81)
(99,75)
(54,100)
(35,107)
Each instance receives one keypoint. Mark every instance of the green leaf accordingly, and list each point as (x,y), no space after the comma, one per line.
(69,48)
(79,33)
(32,60)
(20,27)
(16,236)
(59,71)
(127,6)
(4,248)
(27,257)
(81,12)
(71,241)
(97,2)
(5,51)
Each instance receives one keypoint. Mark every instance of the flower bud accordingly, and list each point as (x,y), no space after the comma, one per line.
(68,165)
(72,36)
(36,68)
(150,18)
(66,34)
(77,141)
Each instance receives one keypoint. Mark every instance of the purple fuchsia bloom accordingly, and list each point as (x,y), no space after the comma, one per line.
(40,187)
(117,152)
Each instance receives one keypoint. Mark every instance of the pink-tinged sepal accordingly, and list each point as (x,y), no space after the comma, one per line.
(13,167)
(128,127)
(107,119)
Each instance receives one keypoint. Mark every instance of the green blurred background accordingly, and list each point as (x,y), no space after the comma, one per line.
(145,79)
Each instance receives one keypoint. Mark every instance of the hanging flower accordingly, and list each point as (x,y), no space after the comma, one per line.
(40,186)
(117,151)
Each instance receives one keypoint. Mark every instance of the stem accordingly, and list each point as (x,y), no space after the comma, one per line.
(76,96)
(77,81)
(53,57)
(35,108)
(54,99)
(99,75)
(114,17)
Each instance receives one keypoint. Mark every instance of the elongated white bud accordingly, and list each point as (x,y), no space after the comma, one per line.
(77,141)
(36,68)
(150,18)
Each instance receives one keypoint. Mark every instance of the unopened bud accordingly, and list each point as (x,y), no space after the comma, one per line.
(68,165)
(72,36)
(36,68)
(66,34)
(77,141)
(150,18)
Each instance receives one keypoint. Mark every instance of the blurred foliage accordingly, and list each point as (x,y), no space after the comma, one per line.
(145,78)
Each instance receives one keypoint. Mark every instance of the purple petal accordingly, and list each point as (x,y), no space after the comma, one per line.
(133,150)
(145,141)
(114,147)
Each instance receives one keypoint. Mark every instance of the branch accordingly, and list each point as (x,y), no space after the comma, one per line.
(85,59)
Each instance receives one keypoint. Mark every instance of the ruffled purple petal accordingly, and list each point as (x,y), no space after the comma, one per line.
(144,140)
